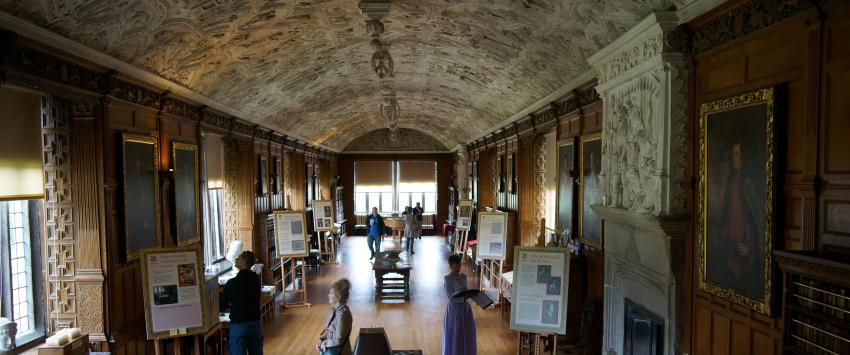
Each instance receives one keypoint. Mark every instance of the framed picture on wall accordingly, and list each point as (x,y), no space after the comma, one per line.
(262,175)
(140,170)
(736,198)
(275,180)
(187,216)
(566,183)
(590,164)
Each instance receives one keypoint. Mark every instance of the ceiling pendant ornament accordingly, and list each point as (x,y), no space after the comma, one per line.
(382,62)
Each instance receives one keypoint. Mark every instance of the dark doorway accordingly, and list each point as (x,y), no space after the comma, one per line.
(644,333)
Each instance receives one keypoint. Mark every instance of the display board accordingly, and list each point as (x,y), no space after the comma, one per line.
(492,235)
(539,292)
(290,233)
(323,215)
(464,214)
(173,292)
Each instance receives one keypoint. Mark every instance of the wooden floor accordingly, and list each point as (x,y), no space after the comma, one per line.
(416,324)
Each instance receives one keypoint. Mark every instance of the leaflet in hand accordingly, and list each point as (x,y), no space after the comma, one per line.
(476,295)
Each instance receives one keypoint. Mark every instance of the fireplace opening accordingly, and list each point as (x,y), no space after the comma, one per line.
(644,331)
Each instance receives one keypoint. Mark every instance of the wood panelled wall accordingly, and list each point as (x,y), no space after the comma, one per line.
(808,57)
(90,283)
(345,171)
(576,114)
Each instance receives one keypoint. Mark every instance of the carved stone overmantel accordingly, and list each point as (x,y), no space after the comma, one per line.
(642,79)
(643,82)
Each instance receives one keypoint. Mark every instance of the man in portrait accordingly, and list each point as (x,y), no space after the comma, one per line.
(734,240)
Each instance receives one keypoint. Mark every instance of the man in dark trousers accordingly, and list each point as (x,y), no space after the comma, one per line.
(418,211)
(242,295)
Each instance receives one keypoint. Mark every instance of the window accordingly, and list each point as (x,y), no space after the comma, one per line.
(393,185)
(213,228)
(19,238)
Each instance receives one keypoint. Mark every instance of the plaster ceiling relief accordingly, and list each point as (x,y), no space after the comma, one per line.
(409,140)
(461,67)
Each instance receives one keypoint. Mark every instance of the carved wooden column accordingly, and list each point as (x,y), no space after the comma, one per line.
(60,239)
(238,192)
(531,172)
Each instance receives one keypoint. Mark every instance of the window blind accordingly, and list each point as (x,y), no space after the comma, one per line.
(213,152)
(20,145)
(373,173)
(417,172)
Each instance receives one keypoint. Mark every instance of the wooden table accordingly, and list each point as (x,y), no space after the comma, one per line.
(392,262)
(397,226)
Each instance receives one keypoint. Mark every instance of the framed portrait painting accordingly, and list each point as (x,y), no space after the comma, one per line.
(566,183)
(737,198)
(590,164)
(187,216)
(140,164)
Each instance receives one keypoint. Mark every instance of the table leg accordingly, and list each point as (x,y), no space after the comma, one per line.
(407,285)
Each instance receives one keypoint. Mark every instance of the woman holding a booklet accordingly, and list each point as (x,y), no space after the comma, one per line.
(459,323)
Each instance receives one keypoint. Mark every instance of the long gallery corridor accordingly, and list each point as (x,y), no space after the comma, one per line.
(415,324)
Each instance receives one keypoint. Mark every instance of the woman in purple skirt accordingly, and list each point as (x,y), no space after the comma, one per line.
(459,324)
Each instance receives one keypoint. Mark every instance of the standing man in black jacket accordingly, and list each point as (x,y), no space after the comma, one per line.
(242,295)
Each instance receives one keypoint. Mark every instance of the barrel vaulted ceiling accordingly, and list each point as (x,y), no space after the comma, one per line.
(302,67)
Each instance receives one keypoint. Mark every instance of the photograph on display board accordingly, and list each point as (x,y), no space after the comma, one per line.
(187,214)
(566,183)
(173,291)
(491,235)
(464,216)
(290,235)
(322,214)
(590,225)
(539,298)
(141,194)
(737,199)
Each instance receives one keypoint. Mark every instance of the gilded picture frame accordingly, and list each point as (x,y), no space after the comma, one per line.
(566,191)
(736,199)
(186,195)
(140,179)
(590,165)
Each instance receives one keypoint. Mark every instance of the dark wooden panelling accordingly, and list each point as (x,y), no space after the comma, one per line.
(813,76)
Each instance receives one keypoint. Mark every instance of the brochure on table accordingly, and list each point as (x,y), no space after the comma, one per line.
(464,215)
(174,295)
(492,235)
(539,302)
(323,215)
(290,233)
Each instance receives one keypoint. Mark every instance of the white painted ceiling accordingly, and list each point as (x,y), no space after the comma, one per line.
(302,67)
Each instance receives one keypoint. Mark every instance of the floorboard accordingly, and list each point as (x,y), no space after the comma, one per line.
(416,324)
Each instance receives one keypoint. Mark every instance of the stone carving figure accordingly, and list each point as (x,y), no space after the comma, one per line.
(8,330)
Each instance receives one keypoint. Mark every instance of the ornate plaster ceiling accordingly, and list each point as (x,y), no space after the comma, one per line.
(409,140)
(303,66)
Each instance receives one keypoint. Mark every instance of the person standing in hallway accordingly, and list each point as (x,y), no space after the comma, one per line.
(418,211)
(376,231)
(459,323)
(409,229)
(242,295)
(334,339)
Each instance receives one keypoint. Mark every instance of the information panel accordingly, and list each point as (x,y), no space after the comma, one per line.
(290,232)
(323,215)
(492,235)
(172,279)
(464,215)
(541,277)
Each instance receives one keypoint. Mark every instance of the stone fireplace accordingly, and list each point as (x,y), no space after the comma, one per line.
(643,81)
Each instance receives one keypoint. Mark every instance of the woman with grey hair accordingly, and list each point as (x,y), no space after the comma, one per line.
(334,339)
